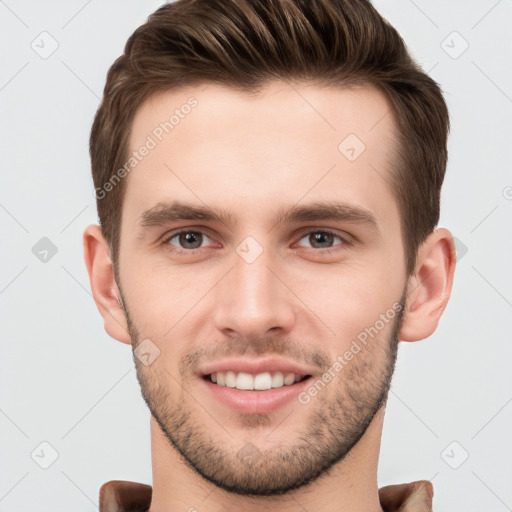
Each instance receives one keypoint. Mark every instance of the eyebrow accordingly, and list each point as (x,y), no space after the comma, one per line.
(166,212)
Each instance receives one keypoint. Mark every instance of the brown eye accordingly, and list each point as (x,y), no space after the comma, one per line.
(187,239)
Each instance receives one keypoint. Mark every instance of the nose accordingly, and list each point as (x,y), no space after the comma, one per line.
(254,299)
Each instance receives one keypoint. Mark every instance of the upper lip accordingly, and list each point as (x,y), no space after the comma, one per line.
(255,366)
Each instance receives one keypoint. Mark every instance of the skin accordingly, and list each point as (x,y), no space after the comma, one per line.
(254,155)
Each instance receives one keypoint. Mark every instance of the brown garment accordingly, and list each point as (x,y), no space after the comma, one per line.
(123,496)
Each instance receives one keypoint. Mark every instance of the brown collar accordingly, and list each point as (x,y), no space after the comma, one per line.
(124,496)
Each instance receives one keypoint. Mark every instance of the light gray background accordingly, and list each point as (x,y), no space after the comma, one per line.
(65,382)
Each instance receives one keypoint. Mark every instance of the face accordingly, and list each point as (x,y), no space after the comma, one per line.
(262,269)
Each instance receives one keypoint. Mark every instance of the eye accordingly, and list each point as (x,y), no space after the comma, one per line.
(323,239)
(190,240)
(187,240)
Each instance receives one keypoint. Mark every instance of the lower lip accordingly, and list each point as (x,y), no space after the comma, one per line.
(256,401)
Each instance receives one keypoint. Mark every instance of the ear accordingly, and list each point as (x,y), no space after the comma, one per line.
(430,286)
(103,284)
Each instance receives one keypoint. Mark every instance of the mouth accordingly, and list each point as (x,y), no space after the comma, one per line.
(255,386)
(255,382)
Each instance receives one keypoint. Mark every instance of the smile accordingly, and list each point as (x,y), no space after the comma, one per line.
(255,382)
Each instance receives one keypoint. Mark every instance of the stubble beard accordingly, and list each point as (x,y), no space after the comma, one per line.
(326,432)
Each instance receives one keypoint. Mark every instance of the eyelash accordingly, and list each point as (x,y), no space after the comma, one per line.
(169,237)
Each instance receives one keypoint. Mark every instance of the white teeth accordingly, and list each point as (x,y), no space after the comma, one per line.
(277,380)
(260,382)
(244,381)
(230,379)
(289,378)
(263,381)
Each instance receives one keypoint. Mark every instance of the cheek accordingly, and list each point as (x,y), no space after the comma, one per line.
(157,297)
(170,302)
(348,300)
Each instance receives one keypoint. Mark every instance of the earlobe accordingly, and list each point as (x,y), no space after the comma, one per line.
(430,286)
(103,284)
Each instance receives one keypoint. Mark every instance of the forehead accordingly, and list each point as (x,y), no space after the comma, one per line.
(292,141)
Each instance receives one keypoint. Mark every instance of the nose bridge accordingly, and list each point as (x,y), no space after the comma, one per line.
(253,299)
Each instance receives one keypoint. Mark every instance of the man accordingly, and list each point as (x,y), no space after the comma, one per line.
(268,177)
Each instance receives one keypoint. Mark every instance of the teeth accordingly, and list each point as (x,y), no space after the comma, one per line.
(261,381)
(244,381)
(289,378)
(277,380)
(231,379)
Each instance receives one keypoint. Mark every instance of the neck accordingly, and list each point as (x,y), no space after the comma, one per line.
(349,485)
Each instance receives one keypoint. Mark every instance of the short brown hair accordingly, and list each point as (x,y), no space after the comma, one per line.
(244,44)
